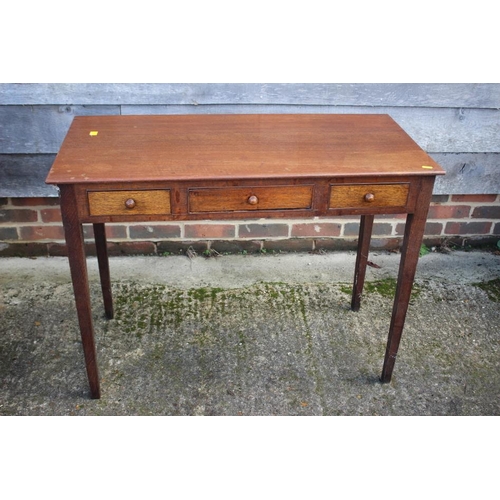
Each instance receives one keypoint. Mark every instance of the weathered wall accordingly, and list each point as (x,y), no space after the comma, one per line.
(458,124)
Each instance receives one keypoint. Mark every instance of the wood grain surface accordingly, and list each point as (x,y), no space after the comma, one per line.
(219,147)
(154,201)
(250,198)
(382,195)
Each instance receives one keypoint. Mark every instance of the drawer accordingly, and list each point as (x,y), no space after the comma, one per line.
(242,199)
(147,202)
(368,195)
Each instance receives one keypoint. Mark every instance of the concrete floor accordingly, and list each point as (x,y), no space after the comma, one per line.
(253,335)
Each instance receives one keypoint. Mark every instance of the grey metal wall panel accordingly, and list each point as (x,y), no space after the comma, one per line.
(456,95)
(24,176)
(40,129)
(468,173)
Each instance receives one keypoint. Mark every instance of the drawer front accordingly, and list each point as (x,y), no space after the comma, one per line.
(147,202)
(368,195)
(243,199)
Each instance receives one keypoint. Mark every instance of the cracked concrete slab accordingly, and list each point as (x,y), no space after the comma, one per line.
(252,335)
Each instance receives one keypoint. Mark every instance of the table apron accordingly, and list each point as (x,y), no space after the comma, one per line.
(246,199)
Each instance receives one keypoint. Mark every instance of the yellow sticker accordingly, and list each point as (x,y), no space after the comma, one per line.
(428,167)
(93,132)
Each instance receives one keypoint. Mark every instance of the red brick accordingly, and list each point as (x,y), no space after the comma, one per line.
(209,230)
(60,249)
(18,215)
(343,244)
(51,215)
(474,198)
(433,228)
(379,228)
(385,243)
(440,198)
(335,244)
(24,250)
(115,231)
(155,231)
(8,233)
(391,216)
(132,248)
(382,229)
(463,228)
(487,212)
(289,245)
(181,247)
(318,230)
(449,211)
(496,229)
(351,229)
(263,230)
(35,202)
(236,246)
(88,231)
(30,233)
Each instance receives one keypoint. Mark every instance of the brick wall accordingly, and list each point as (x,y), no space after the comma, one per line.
(32,226)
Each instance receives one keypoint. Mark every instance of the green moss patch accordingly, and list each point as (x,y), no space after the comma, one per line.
(492,289)
(385,288)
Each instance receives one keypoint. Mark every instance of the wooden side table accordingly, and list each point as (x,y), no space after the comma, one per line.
(195,167)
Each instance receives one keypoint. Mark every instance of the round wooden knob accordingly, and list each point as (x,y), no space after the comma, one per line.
(369,197)
(130,203)
(253,200)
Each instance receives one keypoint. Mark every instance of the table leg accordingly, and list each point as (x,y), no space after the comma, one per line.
(78,267)
(365,233)
(414,232)
(103,261)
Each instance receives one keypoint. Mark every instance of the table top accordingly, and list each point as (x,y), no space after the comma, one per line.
(103,149)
